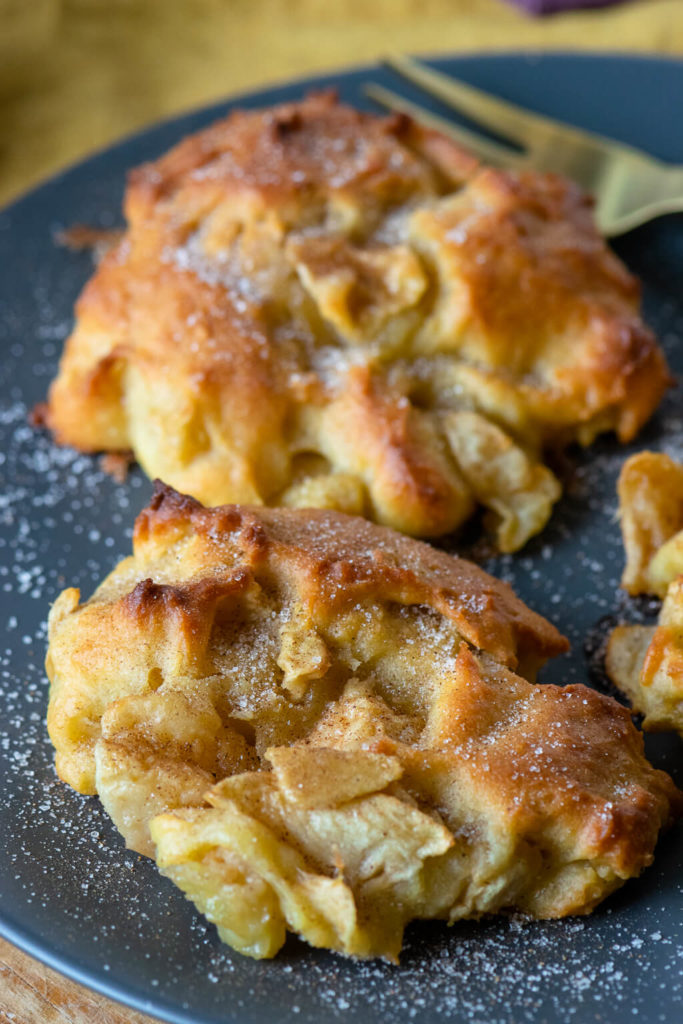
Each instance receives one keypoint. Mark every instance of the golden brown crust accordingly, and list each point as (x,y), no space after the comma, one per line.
(336,561)
(650,492)
(544,734)
(190,561)
(646,662)
(309,720)
(546,277)
(308,297)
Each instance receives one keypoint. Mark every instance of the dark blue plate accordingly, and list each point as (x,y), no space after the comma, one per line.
(69,893)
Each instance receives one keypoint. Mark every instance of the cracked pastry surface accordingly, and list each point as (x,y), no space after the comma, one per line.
(316,307)
(316,724)
(646,662)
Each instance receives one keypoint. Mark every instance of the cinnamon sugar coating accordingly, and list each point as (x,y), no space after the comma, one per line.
(314,723)
(317,307)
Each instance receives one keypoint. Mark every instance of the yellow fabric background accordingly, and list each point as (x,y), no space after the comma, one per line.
(76,74)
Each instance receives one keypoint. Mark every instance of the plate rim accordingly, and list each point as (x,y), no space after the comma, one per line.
(231,100)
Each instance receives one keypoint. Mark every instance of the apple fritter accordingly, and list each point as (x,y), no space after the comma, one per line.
(312,306)
(355,831)
(319,725)
(646,662)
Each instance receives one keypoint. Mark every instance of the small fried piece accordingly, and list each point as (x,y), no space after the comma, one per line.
(650,492)
(312,306)
(313,723)
(646,662)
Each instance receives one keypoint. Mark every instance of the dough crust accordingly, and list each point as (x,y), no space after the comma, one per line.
(315,724)
(317,307)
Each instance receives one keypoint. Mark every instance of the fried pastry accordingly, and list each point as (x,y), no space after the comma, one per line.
(319,725)
(650,492)
(316,307)
(646,662)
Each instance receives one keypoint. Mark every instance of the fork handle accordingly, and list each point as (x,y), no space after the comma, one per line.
(636,194)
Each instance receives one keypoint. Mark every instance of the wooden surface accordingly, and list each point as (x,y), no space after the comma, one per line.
(76,74)
(33,994)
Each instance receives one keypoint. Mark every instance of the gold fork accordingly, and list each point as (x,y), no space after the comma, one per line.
(630,187)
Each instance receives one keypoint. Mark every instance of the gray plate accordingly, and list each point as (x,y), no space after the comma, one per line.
(69,892)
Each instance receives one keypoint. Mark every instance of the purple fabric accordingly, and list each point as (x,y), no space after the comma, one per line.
(556,6)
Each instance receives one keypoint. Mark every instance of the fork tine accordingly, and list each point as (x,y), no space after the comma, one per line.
(507,120)
(489,152)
